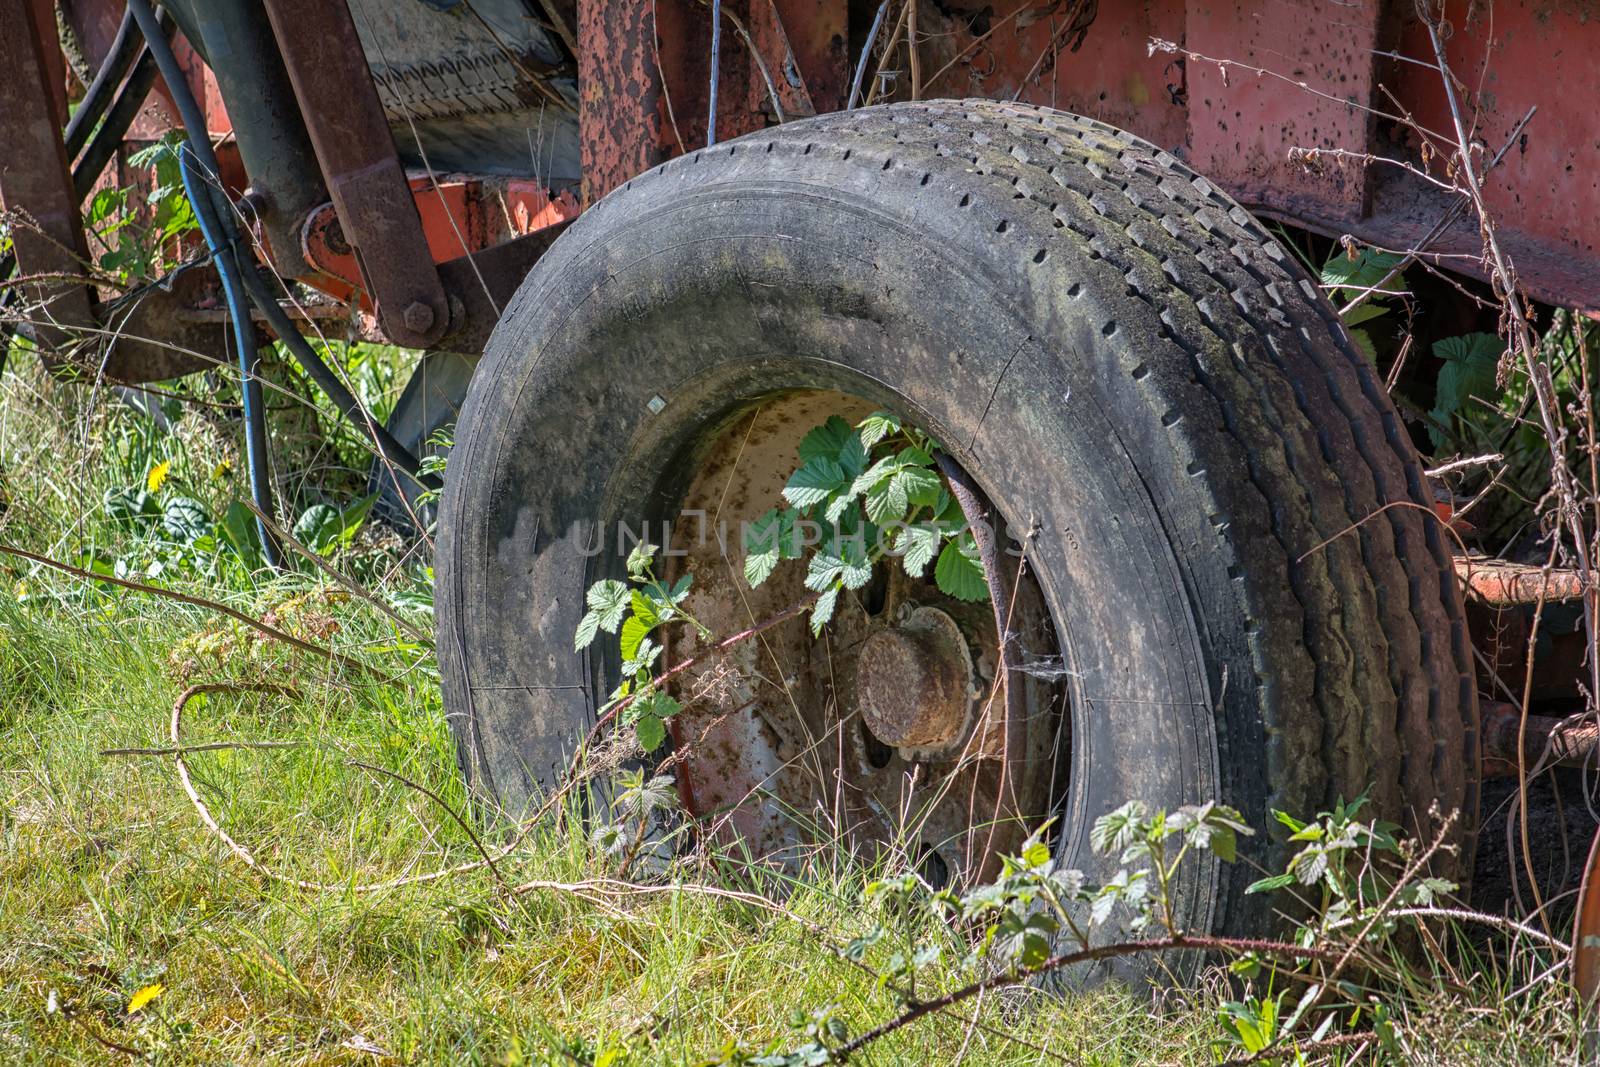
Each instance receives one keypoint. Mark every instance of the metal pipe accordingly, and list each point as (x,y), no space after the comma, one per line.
(716,70)
(124,48)
(108,138)
(286,184)
(1565,741)
(866,54)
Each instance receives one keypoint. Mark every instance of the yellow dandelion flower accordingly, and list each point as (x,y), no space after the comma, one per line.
(145,995)
(158,476)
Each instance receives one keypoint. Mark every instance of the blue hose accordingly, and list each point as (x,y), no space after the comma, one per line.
(255,413)
(222,252)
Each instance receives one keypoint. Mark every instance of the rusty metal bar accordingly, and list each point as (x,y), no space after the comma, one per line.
(328,68)
(1504,585)
(1569,741)
(36,181)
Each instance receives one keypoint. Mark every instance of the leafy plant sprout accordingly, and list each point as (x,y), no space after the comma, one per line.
(869,491)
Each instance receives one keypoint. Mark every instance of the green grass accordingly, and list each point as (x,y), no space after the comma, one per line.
(109,882)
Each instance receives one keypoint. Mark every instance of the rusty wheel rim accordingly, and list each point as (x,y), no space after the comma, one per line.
(891,734)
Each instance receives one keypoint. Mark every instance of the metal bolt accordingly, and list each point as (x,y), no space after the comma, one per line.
(418,317)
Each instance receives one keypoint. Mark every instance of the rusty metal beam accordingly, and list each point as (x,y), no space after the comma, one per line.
(622,112)
(1567,741)
(36,180)
(333,84)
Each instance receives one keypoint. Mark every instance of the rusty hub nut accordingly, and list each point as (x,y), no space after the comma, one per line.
(418,317)
(912,687)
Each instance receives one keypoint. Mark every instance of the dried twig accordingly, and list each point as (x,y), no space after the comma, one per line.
(199,602)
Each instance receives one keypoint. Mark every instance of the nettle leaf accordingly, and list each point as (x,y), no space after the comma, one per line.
(823,571)
(1115,830)
(959,573)
(816,480)
(769,539)
(826,441)
(888,499)
(917,546)
(588,627)
(641,559)
(923,487)
(1362,272)
(853,456)
(609,599)
(651,732)
(839,505)
(877,426)
(822,613)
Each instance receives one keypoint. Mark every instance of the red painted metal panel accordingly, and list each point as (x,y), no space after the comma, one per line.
(1242,125)
(1510,56)
(990,50)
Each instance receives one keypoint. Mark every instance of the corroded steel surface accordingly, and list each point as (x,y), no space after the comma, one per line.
(779,747)
(35,179)
(1564,741)
(322,53)
(1503,584)
(622,114)
(1242,126)
(1586,937)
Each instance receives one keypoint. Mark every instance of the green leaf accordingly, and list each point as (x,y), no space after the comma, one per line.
(814,482)
(922,486)
(641,559)
(959,572)
(917,545)
(888,500)
(1363,272)
(853,456)
(239,530)
(651,732)
(132,507)
(1364,313)
(822,612)
(826,441)
(588,626)
(634,631)
(766,541)
(609,599)
(317,527)
(185,520)
(877,426)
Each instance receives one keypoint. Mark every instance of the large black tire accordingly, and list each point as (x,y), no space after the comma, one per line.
(1116,351)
